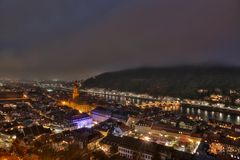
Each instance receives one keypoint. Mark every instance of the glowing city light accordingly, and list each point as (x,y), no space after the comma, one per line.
(146,138)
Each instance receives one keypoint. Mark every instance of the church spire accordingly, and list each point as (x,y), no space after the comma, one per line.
(75,91)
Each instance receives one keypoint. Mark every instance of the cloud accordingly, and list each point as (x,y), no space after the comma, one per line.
(74,39)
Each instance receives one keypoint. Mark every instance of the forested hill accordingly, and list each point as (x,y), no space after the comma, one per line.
(173,81)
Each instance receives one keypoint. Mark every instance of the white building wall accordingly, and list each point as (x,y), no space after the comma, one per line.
(129,154)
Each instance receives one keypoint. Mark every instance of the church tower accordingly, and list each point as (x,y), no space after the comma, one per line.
(75,95)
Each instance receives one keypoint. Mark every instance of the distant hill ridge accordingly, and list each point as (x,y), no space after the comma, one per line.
(172,81)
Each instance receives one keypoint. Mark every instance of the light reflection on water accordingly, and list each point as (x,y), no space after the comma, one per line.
(188,110)
(193,111)
(206,115)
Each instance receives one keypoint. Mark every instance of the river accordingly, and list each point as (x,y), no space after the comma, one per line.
(206,115)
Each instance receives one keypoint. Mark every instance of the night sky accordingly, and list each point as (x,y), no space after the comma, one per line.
(73,39)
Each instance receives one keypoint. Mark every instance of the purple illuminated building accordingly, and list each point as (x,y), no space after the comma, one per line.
(82,120)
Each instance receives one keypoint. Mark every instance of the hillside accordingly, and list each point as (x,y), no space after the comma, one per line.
(173,81)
